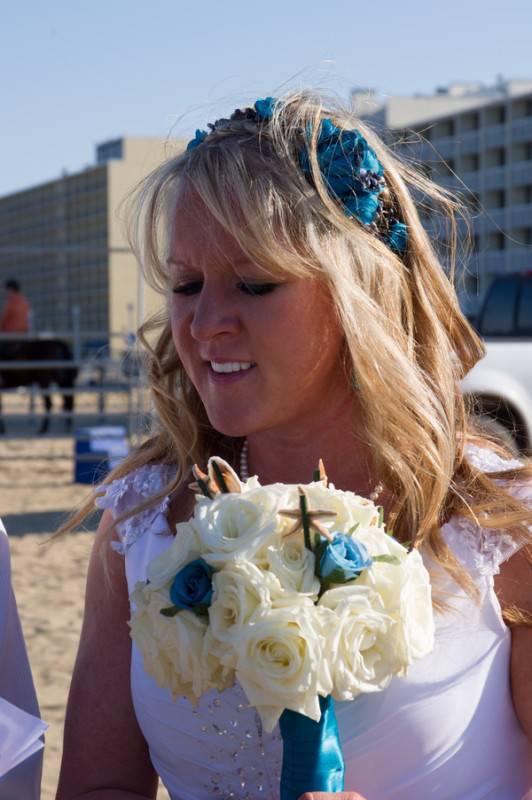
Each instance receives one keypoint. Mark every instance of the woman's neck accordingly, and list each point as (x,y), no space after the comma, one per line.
(291,455)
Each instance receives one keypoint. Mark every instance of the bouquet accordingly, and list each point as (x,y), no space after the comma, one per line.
(295,592)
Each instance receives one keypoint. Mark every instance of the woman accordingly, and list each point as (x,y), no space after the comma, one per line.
(308,317)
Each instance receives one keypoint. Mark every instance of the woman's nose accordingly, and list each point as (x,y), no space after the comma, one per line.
(213,316)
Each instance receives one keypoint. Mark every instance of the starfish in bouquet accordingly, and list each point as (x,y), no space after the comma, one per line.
(221,481)
(306,518)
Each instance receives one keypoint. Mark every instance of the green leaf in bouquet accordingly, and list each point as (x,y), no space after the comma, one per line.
(386,559)
(319,550)
(353,528)
(201,610)
(380,509)
(171,611)
(338,576)
(316,477)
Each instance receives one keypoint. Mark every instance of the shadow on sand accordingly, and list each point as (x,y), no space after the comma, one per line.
(45,522)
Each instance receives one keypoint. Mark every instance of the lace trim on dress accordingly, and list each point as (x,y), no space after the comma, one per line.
(486,549)
(131,490)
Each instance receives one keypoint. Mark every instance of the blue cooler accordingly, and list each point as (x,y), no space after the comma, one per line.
(98,450)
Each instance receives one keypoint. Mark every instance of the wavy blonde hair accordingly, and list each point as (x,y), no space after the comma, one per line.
(408,342)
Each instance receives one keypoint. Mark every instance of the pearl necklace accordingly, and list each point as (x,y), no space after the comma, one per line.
(244,472)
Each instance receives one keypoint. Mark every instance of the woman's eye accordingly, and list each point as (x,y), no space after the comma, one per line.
(257,288)
(191,287)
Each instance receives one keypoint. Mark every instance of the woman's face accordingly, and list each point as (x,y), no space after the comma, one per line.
(263,354)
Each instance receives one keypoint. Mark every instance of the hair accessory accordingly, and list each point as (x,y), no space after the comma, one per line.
(350,168)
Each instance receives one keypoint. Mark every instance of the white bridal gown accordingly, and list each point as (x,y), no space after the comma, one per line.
(19,724)
(447,731)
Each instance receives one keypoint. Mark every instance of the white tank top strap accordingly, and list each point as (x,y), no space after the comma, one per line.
(125,493)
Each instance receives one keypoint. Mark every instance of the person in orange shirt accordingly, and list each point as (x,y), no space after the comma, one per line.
(15,318)
(16,311)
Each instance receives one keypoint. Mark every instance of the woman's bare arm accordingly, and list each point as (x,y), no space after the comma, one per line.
(514,589)
(105,756)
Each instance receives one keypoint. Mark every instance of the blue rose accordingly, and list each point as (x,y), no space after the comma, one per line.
(192,586)
(197,140)
(341,560)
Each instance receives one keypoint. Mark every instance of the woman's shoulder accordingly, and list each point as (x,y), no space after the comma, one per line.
(133,489)
(482,550)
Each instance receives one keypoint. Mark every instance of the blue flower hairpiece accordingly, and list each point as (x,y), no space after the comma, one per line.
(350,169)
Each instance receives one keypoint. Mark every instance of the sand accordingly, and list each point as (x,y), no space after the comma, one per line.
(49,580)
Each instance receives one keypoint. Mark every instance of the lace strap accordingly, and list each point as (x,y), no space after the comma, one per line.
(483,550)
(124,494)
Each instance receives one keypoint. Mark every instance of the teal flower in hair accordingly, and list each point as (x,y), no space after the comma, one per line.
(397,237)
(197,140)
(350,169)
(265,108)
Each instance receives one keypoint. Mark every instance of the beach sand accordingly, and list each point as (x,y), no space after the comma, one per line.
(49,580)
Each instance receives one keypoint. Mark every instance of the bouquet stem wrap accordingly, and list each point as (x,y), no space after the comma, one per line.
(312,756)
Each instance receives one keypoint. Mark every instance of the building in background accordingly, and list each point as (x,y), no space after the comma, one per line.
(65,242)
(476,140)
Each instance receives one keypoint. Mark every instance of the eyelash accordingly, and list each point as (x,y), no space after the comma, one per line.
(251,289)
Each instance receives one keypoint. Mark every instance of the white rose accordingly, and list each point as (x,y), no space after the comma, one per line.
(281,663)
(350,509)
(416,615)
(185,547)
(241,593)
(173,647)
(405,592)
(232,527)
(360,644)
(294,565)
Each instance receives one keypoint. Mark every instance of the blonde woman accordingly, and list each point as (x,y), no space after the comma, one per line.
(307,316)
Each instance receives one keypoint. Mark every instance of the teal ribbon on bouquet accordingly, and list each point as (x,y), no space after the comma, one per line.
(312,755)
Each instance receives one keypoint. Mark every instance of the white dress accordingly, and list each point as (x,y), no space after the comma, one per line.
(447,731)
(17,693)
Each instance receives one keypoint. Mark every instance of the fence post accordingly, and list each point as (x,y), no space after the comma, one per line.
(76,333)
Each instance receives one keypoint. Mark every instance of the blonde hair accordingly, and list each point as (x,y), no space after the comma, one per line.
(408,343)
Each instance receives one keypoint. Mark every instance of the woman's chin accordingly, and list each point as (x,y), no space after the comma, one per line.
(234,428)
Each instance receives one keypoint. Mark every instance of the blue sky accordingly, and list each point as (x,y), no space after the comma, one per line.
(77,73)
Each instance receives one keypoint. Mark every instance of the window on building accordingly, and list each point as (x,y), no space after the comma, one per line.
(521,237)
(445,127)
(499,308)
(522,151)
(495,157)
(470,162)
(522,108)
(524,306)
(470,121)
(495,115)
(496,240)
(495,198)
(522,195)
(444,168)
